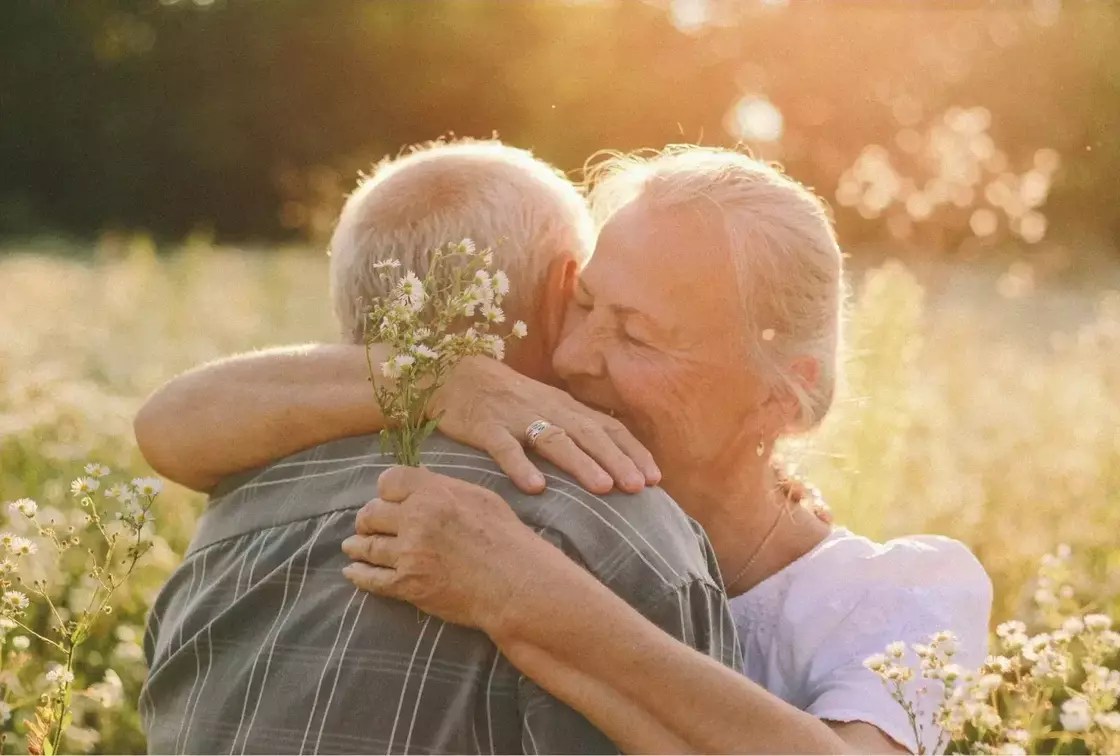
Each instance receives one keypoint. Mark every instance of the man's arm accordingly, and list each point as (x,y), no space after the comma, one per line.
(251,409)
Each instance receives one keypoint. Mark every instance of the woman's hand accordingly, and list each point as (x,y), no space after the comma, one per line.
(453,549)
(488,406)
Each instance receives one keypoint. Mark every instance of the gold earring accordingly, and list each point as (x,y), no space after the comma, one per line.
(761,448)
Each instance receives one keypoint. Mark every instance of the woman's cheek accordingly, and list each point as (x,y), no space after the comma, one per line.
(660,401)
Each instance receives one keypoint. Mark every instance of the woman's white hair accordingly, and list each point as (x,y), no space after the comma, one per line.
(788,264)
(501,197)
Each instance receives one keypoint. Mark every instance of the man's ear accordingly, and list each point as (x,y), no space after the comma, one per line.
(560,286)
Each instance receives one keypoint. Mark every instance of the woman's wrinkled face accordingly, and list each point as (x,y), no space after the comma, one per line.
(654,334)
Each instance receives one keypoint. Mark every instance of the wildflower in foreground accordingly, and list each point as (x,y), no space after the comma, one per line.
(1076,715)
(21,643)
(875,662)
(15,601)
(501,283)
(25,507)
(96,470)
(21,546)
(147,486)
(84,486)
(520,330)
(1098,622)
(60,676)
(425,352)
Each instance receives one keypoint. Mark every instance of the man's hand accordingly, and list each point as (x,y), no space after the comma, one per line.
(451,548)
(488,406)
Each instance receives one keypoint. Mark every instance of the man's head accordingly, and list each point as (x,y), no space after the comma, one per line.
(535,220)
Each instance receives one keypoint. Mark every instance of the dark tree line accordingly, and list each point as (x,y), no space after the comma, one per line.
(239,115)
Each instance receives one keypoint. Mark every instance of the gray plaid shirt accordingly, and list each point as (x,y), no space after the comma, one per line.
(258,644)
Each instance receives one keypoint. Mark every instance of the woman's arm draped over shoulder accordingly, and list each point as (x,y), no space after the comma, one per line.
(645,690)
(252,409)
(248,410)
(458,551)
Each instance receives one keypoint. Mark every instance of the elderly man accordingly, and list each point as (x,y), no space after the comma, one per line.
(259,644)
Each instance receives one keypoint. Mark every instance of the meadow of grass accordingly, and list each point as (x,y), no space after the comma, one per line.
(948,424)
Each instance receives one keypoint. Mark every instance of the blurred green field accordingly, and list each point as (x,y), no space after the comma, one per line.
(979,405)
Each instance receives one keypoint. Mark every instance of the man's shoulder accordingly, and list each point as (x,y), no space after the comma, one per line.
(638,543)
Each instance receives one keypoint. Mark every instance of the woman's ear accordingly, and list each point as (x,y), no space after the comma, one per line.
(806,373)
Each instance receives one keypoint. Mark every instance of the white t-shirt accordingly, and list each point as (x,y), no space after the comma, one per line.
(806,630)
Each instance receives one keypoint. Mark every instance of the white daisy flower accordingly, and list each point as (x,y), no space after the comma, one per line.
(467,247)
(386,264)
(394,367)
(1076,715)
(501,282)
(520,330)
(21,643)
(1009,628)
(22,547)
(60,676)
(1098,622)
(425,352)
(84,486)
(1109,720)
(97,470)
(25,507)
(493,314)
(875,662)
(495,345)
(411,292)
(147,486)
(896,649)
(15,600)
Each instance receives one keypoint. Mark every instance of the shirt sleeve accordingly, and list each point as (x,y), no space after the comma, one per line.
(914,592)
(696,614)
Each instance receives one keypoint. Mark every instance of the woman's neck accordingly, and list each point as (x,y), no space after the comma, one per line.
(742,508)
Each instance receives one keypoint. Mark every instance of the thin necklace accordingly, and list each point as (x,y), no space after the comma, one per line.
(754,557)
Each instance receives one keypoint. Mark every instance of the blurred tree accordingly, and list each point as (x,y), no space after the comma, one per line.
(244,115)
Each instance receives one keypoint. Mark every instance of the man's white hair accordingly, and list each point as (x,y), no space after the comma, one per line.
(788,264)
(498,196)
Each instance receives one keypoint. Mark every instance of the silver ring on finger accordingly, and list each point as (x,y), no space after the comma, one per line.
(534,431)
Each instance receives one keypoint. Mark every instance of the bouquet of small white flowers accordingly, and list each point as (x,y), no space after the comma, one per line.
(1052,692)
(429,324)
(112,546)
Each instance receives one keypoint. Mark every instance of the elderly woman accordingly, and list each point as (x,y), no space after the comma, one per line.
(708,322)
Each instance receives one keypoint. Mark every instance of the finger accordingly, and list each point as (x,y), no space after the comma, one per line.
(377,550)
(633,448)
(377,580)
(378,516)
(595,442)
(510,455)
(558,448)
(396,483)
